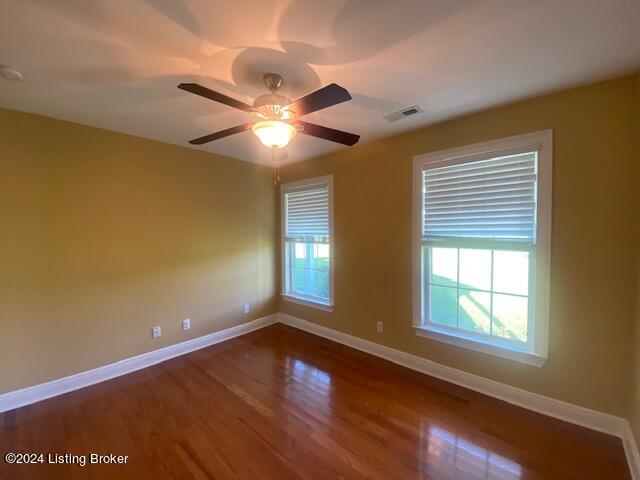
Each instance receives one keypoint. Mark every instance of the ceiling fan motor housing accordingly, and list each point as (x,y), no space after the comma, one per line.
(272,81)
(271,99)
(272,106)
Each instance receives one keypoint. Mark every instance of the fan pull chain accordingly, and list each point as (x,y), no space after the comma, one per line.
(274,151)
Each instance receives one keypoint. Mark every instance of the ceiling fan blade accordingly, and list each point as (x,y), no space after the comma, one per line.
(325,97)
(327,133)
(221,134)
(215,96)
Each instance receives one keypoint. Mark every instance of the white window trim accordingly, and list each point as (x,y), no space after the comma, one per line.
(541,141)
(284,188)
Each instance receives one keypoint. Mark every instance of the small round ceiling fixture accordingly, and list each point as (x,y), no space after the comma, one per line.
(11,73)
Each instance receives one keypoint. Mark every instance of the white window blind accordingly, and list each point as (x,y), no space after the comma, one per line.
(307,214)
(487,199)
(307,231)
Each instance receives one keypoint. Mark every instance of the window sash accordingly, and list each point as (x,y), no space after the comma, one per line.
(309,270)
(479,244)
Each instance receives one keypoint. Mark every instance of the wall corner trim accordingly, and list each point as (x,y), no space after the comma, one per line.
(584,417)
(42,391)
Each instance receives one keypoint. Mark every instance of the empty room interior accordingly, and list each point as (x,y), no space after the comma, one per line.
(293,239)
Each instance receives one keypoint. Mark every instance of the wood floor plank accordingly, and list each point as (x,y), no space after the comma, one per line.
(280,403)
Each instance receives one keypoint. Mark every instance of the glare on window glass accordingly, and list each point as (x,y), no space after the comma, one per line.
(300,250)
(475,268)
(444,266)
(321,253)
(511,272)
(323,250)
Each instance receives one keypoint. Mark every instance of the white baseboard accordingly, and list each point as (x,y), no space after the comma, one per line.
(585,417)
(568,412)
(631,451)
(36,393)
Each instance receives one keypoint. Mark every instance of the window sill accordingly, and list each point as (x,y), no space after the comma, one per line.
(521,356)
(307,303)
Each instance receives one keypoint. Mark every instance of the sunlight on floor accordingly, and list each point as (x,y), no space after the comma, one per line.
(451,455)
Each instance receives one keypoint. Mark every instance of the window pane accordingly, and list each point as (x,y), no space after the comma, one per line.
(444,266)
(322,283)
(298,284)
(510,316)
(511,272)
(475,268)
(443,305)
(309,274)
(321,256)
(475,310)
(500,311)
(298,259)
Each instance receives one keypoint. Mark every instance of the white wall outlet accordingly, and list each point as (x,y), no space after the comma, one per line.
(246,308)
(379,326)
(157,331)
(186,324)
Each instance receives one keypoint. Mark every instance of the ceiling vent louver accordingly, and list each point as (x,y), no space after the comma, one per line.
(400,114)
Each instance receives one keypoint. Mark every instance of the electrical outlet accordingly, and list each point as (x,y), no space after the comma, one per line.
(246,308)
(157,331)
(379,326)
(186,324)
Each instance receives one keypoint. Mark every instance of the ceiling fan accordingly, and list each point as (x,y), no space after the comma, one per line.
(277,117)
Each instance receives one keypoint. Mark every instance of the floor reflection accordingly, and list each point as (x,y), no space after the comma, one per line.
(302,377)
(458,458)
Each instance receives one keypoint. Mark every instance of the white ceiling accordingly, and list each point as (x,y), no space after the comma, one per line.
(116,64)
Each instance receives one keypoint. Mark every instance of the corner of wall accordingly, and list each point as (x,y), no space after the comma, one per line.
(634,401)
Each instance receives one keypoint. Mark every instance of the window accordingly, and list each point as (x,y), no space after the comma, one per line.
(482,220)
(307,233)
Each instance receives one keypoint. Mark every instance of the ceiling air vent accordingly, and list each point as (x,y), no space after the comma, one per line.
(407,112)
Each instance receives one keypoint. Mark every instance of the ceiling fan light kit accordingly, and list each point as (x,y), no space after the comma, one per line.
(277,119)
(274,133)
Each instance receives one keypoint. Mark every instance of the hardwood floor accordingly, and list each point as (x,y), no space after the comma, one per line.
(279,403)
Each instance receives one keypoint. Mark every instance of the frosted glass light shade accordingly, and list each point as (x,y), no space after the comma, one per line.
(274,133)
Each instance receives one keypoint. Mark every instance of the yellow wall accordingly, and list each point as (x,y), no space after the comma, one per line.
(594,247)
(103,235)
